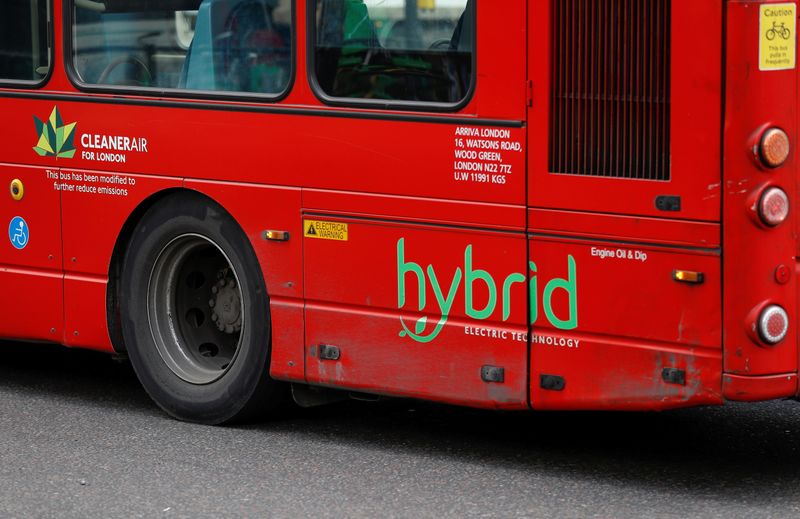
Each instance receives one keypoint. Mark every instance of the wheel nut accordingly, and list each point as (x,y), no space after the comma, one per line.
(214,290)
(211,303)
(214,316)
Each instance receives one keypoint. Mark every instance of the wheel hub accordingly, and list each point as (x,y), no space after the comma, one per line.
(226,304)
(195,309)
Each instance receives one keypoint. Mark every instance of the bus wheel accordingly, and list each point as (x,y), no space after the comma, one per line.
(195,314)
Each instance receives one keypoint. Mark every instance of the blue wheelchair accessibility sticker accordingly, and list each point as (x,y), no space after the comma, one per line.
(18,233)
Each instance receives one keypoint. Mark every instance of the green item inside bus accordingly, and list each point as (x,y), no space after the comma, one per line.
(395,49)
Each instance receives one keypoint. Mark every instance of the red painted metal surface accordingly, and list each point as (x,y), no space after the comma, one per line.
(34,274)
(752,252)
(447,271)
(617,352)
(38,308)
(757,388)
(611,227)
(369,306)
(615,373)
(695,97)
(609,112)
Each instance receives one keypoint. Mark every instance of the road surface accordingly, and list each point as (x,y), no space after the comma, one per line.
(80,438)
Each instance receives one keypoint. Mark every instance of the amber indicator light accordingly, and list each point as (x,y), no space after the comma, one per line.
(688,276)
(774,148)
(276,235)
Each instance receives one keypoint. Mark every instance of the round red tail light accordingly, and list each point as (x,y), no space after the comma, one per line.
(774,147)
(773,207)
(773,324)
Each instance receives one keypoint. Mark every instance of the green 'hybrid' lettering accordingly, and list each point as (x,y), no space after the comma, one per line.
(413,274)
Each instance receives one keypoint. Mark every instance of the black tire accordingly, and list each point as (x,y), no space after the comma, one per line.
(195,368)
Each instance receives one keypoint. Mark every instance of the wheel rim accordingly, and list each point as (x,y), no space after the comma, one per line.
(195,309)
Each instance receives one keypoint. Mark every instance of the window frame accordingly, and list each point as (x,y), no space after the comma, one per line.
(154,92)
(36,84)
(382,104)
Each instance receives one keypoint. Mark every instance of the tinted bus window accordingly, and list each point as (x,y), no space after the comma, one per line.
(208,45)
(24,52)
(403,50)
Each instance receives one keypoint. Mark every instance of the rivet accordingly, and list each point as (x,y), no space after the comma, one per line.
(782,274)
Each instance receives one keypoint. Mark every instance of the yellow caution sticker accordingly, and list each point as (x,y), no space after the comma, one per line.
(777,36)
(325,230)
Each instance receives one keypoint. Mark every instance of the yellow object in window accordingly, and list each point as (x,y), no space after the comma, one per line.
(426,4)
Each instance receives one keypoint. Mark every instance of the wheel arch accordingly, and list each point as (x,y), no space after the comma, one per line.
(118,254)
(254,208)
(121,246)
(149,250)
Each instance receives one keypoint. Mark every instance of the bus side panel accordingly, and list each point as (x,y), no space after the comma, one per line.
(92,220)
(433,342)
(615,319)
(453,213)
(35,309)
(415,159)
(438,204)
(288,348)
(365,154)
(31,271)
(607,373)
(85,316)
(754,254)
(258,209)
(694,114)
(40,209)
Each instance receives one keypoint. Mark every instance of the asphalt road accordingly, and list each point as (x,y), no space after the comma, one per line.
(80,438)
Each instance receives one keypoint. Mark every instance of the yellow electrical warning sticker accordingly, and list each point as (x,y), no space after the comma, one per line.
(778,36)
(325,230)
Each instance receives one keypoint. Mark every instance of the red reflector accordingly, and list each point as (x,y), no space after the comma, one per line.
(773,206)
(773,324)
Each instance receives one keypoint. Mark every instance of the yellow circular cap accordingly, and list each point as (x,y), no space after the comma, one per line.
(17,189)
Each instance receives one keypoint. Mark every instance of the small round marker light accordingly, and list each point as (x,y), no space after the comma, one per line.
(773,324)
(17,189)
(774,147)
(773,206)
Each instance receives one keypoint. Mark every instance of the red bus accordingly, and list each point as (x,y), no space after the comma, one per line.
(517,204)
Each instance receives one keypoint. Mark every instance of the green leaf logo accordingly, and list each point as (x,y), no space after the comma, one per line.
(56,139)
(421,325)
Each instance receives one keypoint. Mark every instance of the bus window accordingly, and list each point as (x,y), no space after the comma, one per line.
(397,50)
(232,46)
(24,51)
